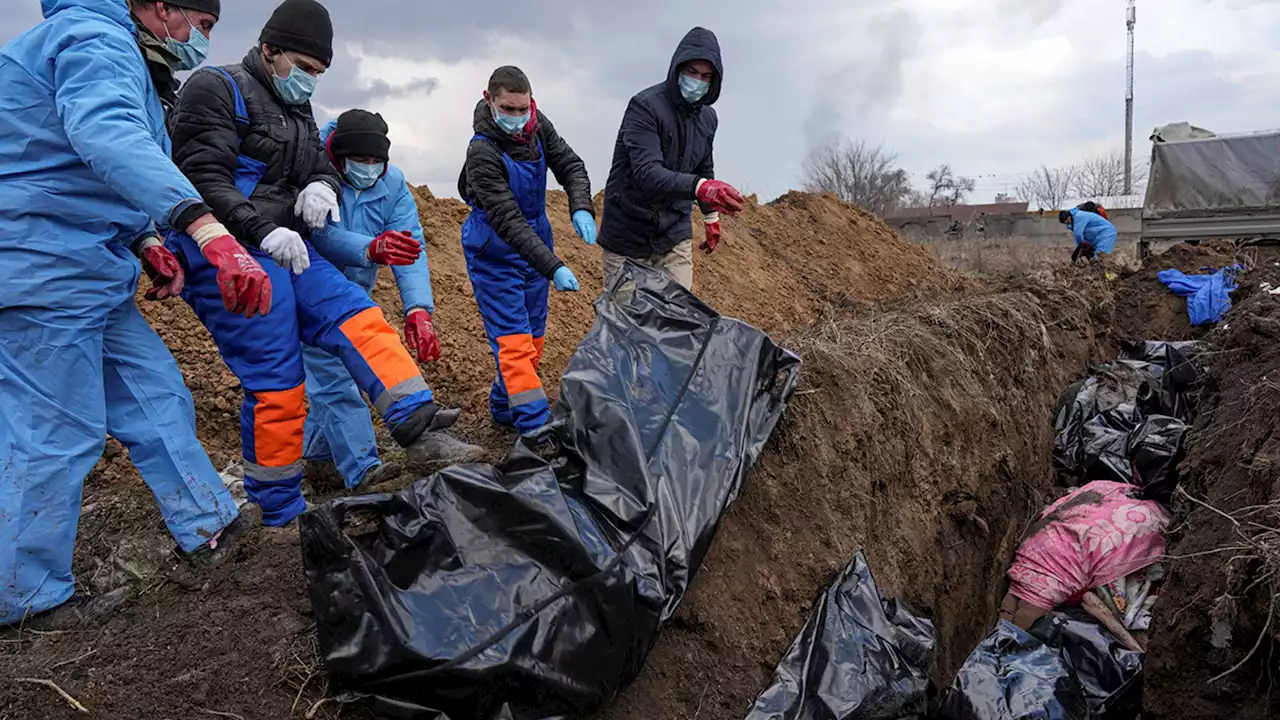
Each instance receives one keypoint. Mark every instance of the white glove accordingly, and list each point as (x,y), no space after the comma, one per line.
(287,249)
(315,204)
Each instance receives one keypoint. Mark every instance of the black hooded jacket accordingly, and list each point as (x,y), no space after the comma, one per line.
(664,147)
(207,141)
(484,183)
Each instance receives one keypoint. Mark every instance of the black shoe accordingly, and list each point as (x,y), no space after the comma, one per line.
(438,446)
(377,474)
(221,546)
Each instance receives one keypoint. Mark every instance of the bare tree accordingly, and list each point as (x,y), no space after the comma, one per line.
(858,173)
(1048,188)
(1103,176)
(946,189)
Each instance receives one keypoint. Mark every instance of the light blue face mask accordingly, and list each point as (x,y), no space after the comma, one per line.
(511,124)
(693,89)
(192,52)
(295,89)
(363,176)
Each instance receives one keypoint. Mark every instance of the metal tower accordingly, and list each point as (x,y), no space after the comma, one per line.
(1131,18)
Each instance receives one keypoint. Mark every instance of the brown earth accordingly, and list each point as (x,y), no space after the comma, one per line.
(921,434)
(1224,582)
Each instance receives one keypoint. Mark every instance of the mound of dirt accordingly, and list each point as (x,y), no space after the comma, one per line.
(1213,654)
(1146,308)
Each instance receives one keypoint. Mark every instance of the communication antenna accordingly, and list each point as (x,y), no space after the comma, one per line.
(1131,18)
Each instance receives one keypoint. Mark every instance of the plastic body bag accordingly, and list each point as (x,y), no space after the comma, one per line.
(859,657)
(536,589)
(1065,668)
(1126,421)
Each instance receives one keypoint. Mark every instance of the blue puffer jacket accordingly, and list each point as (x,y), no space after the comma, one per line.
(366,214)
(84,159)
(1094,230)
(664,147)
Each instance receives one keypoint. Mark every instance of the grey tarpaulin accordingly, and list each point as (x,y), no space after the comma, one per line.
(1222,175)
(536,589)
(859,657)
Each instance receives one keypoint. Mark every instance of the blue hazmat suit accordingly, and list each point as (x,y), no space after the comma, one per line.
(338,426)
(84,171)
(1093,230)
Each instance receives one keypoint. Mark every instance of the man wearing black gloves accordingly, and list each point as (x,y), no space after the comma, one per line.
(246,137)
(662,162)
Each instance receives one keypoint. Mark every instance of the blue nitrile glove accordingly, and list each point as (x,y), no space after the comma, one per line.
(565,280)
(585,225)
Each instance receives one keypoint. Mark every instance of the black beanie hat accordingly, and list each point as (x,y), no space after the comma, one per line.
(1064,216)
(360,132)
(302,26)
(213,7)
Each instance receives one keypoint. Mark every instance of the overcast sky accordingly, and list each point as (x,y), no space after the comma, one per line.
(994,88)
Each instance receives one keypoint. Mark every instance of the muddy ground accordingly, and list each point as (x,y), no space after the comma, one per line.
(921,433)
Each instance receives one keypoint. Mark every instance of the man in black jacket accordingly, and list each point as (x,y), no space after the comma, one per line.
(245,136)
(507,237)
(662,162)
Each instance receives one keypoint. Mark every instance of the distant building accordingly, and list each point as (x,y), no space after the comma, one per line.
(959,213)
(1005,199)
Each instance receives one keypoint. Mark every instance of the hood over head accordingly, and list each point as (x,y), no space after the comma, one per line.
(114,10)
(698,44)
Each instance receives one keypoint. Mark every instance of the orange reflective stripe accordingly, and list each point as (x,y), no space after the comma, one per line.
(517,358)
(278,418)
(538,342)
(380,346)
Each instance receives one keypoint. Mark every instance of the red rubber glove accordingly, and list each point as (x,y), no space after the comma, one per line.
(245,287)
(166,274)
(394,248)
(720,196)
(713,237)
(420,335)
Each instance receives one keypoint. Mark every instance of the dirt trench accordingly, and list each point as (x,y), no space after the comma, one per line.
(921,434)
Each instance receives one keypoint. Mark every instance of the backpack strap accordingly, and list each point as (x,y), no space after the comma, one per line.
(241,110)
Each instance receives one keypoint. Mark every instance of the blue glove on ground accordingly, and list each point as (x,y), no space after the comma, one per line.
(565,280)
(585,225)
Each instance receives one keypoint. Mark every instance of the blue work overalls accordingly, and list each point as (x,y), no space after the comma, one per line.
(513,298)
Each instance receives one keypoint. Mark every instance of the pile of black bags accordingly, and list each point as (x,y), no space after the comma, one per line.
(1127,420)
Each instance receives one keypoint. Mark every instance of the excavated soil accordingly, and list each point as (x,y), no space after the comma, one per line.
(921,434)
(1222,600)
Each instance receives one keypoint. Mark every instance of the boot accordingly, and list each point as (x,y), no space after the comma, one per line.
(221,546)
(438,446)
(424,438)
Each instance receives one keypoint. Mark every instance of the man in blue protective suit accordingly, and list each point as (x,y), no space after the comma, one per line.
(507,237)
(1094,234)
(246,136)
(379,226)
(84,174)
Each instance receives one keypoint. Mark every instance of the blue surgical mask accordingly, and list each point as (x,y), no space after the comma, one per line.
(192,52)
(363,176)
(693,89)
(295,89)
(511,124)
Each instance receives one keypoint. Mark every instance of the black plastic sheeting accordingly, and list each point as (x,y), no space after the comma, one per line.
(536,589)
(859,657)
(1127,420)
(1066,668)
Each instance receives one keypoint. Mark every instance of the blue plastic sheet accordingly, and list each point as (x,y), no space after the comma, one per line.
(1208,296)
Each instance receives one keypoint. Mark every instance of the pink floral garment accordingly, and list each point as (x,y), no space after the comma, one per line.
(1094,535)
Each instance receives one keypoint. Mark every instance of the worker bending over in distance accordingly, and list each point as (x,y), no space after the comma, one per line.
(662,162)
(507,237)
(84,175)
(246,137)
(379,226)
(1094,234)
